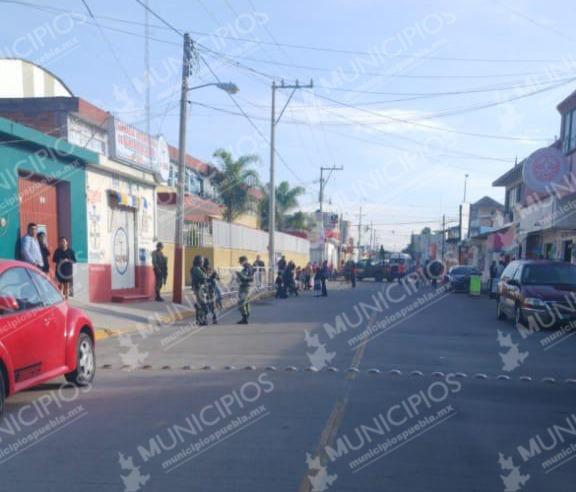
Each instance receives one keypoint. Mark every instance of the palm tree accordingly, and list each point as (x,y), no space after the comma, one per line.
(233,182)
(286,200)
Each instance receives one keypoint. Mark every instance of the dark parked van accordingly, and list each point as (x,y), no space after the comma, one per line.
(537,294)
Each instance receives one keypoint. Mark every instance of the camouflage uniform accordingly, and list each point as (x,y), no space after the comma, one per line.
(245,277)
(199,287)
(211,300)
(160,266)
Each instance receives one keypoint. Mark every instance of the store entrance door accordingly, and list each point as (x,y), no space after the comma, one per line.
(39,204)
(123,248)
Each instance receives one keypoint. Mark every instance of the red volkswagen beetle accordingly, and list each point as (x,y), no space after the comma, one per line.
(41,336)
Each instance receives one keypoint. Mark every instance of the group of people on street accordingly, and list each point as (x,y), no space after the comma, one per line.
(290,278)
(34,250)
(206,290)
(204,280)
(497,267)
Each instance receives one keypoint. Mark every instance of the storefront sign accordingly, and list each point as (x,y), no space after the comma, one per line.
(543,169)
(131,145)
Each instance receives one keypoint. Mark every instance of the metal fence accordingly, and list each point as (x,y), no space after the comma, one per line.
(228,280)
(236,236)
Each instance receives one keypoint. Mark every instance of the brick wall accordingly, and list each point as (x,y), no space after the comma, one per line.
(49,122)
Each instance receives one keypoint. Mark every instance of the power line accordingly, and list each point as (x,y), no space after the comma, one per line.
(534,21)
(207,65)
(160,18)
(110,46)
(457,154)
(453,112)
(359,71)
(352,122)
(470,109)
(293,45)
(423,125)
(426,95)
(419,143)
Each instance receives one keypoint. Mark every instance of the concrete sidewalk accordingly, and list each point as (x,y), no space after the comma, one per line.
(112,319)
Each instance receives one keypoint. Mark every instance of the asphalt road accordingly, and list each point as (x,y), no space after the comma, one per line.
(438,396)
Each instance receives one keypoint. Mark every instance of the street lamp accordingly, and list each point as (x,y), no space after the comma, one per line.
(228,87)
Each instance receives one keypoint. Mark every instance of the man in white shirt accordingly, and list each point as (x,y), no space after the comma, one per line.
(30,247)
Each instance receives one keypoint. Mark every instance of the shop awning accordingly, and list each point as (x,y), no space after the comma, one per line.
(127,200)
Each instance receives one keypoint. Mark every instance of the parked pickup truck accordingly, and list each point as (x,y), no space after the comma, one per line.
(376,269)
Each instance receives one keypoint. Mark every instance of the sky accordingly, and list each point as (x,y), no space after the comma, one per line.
(409,97)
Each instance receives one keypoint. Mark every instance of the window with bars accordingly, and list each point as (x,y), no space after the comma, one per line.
(198,235)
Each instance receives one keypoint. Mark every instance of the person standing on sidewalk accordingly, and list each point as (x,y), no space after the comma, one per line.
(282,264)
(160,266)
(436,272)
(30,247)
(353,274)
(259,272)
(317,283)
(45,252)
(245,277)
(64,258)
(199,287)
(325,273)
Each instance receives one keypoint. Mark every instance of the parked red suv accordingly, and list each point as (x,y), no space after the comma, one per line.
(537,294)
(41,336)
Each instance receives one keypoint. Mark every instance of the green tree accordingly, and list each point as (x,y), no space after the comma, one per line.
(298,221)
(233,182)
(286,200)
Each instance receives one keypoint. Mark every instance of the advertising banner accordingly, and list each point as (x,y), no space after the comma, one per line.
(135,147)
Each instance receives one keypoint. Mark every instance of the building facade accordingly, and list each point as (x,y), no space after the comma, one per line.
(43,180)
(124,199)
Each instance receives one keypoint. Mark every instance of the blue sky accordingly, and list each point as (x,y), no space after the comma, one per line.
(379,107)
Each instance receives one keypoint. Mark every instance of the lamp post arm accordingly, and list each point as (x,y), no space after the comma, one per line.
(201,86)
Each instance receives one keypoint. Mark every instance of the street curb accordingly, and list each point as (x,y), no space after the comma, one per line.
(104,333)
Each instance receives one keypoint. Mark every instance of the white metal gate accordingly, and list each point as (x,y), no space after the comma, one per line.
(123,248)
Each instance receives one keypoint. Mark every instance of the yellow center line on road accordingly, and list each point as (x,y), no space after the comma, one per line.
(334,421)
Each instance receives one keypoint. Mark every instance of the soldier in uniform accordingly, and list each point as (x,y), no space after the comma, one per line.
(245,277)
(160,266)
(211,290)
(199,287)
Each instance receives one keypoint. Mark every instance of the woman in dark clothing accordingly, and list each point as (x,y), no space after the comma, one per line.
(280,293)
(325,272)
(45,252)
(64,258)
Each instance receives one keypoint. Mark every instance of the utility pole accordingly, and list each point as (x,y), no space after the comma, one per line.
(465,187)
(179,239)
(360,234)
(321,199)
(443,235)
(272,191)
